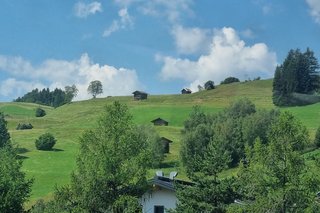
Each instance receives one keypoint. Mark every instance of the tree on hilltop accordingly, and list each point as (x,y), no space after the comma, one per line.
(95,88)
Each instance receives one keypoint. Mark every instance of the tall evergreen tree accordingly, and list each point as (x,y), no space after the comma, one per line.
(277,172)
(4,134)
(299,73)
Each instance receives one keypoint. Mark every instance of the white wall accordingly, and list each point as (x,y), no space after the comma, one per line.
(158,197)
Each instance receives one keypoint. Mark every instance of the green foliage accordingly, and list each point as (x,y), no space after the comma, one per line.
(54,98)
(22,126)
(240,108)
(71,92)
(257,125)
(236,126)
(230,80)
(45,142)
(111,165)
(209,85)
(40,112)
(14,188)
(4,134)
(280,181)
(95,88)
(152,139)
(298,74)
(317,138)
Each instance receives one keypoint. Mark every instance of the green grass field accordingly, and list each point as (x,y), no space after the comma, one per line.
(68,122)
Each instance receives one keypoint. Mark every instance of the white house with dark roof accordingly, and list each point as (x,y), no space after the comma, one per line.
(161,195)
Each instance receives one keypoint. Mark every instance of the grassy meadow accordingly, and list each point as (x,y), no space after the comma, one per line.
(68,122)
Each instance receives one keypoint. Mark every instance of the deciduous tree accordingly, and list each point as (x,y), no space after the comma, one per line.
(95,88)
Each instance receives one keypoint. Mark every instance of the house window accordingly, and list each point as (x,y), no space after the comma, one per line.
(158,209)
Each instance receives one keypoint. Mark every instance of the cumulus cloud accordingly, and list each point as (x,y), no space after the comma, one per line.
(124,21)
(83,10)
(191,40)
(314,9)
(228,56)
(59,73)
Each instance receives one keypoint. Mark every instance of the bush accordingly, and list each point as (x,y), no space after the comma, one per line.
(230,80)
(45,142)
(24,126)
(40,112)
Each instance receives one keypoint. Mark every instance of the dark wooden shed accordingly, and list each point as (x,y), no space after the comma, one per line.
(160,122)
(186,91)
(165,142)
(139,95)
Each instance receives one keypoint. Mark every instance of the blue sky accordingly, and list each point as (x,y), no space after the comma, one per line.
(159,46)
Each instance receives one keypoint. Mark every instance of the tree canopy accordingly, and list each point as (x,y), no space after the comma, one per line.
(54,98)
(230,80)
(14,188)
(280,180)
(299,73)
(95,88)
(111,166)
(4,134)
(209,85)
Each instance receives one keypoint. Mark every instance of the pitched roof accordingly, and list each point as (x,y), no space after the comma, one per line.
(158,119)
(139,92)
(186,89)
(166,140)
(167,183)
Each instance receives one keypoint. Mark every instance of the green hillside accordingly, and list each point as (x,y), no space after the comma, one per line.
(68,122)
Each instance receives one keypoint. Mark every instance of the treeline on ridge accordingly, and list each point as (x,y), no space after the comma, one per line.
(55,98)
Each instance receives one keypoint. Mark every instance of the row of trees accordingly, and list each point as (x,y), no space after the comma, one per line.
(54,98)
(299,73)
(59,97)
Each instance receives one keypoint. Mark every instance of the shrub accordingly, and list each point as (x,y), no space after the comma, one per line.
(24,126)
(40,112)
(230,80)
(45,142)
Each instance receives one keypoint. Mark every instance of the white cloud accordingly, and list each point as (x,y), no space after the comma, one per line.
(248,33)
(191,40)
(173,10)
(125,21)
(228,56)
(58,73)
(83,10)
(314,9)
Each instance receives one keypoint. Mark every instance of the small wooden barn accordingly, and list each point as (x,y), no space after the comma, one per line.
(139,95)
(166,142)
(160,122)
(186,91)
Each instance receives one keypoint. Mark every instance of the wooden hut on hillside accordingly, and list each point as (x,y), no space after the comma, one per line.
(165,142)
(139,95)
(186,91)
(160,122)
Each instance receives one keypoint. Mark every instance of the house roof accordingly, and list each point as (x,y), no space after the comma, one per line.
(158,119)
(166,140)
(167,183)
(139,92)
(186,89)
